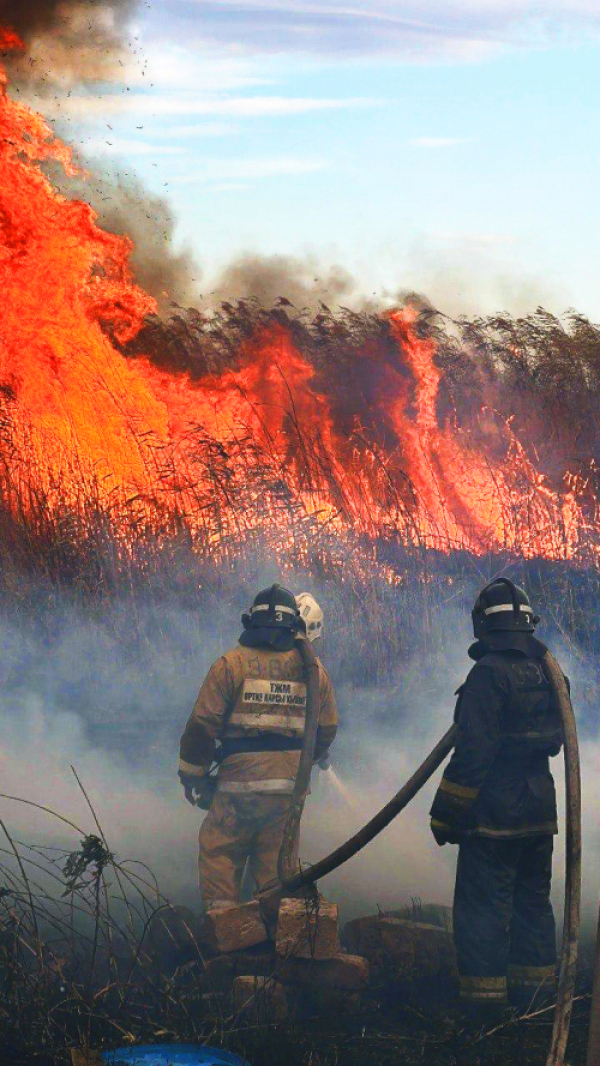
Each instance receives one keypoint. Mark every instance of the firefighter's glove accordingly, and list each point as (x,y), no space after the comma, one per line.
(444,834)
(198,791)
(324,763)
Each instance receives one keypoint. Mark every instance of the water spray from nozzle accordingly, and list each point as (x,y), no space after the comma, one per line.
(341,787)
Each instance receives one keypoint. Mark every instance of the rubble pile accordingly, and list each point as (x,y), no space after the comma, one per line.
(291,965)
(266,966)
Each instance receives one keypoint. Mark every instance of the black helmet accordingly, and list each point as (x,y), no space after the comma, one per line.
(503,606)
(273,608)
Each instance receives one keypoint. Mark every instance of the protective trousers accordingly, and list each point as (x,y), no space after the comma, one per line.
(236,830)
(503,921)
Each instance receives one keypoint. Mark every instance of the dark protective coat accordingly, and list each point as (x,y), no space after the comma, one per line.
(497,799)
(498,782)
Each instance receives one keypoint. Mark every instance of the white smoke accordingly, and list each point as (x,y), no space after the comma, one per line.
(87,697)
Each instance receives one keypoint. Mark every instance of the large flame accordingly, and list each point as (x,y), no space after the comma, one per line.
(83,414)
(63,279)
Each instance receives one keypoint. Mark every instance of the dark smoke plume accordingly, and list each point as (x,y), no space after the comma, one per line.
(166,274)
(67,41)
(124,206)
(266,278)
(71,41)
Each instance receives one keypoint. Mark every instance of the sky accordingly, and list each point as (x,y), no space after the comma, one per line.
(452,148)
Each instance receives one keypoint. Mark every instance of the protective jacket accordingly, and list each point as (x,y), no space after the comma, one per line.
(498,782)
(250,715)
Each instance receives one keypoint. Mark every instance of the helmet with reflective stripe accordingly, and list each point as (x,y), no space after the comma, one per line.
(310,614)
(503,606)
(273,608)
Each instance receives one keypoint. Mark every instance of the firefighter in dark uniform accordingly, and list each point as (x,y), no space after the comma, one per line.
(497,801)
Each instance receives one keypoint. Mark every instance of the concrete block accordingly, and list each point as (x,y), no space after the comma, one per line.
(349,973)
(259,999)
(410,950)
(307,929)
(233,928)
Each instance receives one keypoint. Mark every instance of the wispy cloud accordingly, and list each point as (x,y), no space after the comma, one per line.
(269,106)
(240,170)
(129,147)
(164,104)
(170,65)
(193,130)
(459,29)
(459,240)
(436,142)
(229,186)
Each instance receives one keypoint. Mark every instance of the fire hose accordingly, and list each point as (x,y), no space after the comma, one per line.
(593,1055)
(291,830)
(292,882)
(572,911)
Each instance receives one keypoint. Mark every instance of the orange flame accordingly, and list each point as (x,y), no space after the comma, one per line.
(9,40)
(465,497)
(61,278)
(85,412)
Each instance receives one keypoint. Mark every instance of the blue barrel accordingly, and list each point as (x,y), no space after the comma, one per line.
(171,1055)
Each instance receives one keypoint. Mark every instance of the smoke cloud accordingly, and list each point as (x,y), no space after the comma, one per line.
(67,41)
(126,207)
(75,41)
(84,692)
(477,277)
(302,281)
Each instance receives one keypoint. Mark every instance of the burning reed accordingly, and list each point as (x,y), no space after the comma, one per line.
(386,428)
(395,459)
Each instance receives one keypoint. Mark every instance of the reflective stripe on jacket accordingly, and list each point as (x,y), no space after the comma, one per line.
(254,692)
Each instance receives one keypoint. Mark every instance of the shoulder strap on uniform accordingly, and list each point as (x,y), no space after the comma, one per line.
(301,784)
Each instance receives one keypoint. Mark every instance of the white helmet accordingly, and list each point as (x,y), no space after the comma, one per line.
(311,614)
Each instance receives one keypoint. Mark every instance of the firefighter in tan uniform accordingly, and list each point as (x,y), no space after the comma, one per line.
(250,717)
